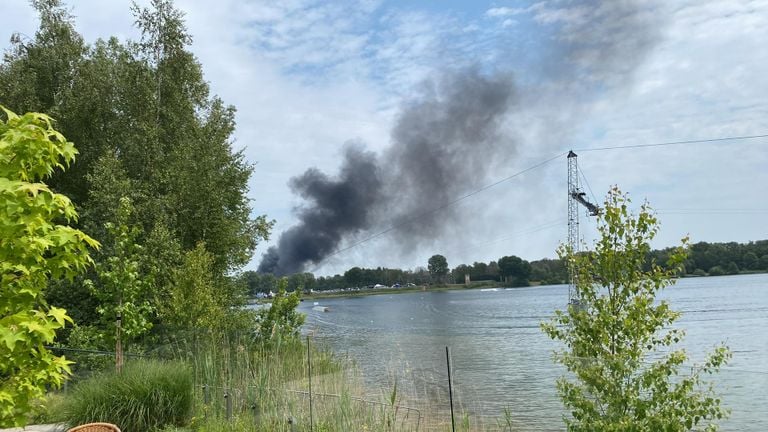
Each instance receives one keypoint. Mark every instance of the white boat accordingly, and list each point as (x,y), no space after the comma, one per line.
(321,308)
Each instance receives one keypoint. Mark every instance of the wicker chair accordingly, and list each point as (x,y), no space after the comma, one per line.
(95,427)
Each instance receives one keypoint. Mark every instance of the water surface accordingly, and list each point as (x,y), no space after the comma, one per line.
(502,359)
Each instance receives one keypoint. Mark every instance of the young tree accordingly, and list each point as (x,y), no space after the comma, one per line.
(438,267)
(35,247)
(619,340)
(281,321)
(122,288)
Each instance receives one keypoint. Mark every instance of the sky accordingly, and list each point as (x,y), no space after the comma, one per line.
(309,77)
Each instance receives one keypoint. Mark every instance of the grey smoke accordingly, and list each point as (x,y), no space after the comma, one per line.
(447,137)
(441,146)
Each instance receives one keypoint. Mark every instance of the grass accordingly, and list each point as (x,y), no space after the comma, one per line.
(146,396)
(225,382)
(249,386)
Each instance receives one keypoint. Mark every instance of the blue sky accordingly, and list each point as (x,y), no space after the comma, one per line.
(308,76)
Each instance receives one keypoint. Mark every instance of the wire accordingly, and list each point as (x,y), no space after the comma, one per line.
(594,198)
(518,233)
(532,167)
(693,211)
(699,141)
(441,207)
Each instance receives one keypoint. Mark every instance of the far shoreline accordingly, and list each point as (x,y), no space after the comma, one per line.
(444,287)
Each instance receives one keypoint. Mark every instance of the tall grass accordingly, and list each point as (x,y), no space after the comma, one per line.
(146,396)
(266,387)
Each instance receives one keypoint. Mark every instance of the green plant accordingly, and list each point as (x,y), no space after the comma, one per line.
(146,396)
(121,288)
(34,247)
(193,302)
(280,320)
(619,340)
(505,423)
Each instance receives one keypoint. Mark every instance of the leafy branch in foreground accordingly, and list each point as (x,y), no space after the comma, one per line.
(35,246)
(620,340)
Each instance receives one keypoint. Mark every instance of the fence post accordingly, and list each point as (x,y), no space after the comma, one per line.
(309,369)
(228,402)
(450,388)
(255,409)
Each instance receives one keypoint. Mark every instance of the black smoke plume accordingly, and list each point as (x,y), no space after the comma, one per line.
(336,207)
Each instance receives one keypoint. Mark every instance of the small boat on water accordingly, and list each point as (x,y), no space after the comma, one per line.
(489,289)
(321,308)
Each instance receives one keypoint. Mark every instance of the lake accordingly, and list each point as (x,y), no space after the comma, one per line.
(501,359)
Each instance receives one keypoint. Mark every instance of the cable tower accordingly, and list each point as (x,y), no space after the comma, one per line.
(575,197)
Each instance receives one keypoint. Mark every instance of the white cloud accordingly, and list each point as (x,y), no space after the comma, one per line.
(504,11)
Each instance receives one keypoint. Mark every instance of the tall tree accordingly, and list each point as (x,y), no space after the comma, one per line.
(620,339)
(438,267)
(148,130)
(514,269)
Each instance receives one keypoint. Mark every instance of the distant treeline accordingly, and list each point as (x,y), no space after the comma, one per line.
(705,259)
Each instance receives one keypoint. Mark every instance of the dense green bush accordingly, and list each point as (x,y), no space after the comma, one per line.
(148,395)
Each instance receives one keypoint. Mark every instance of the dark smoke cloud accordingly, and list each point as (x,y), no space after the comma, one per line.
(448,136)
(442,143)
(336,207)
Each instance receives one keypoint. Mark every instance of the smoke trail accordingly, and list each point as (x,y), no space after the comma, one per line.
(447,138)
(336,208)
(442,144)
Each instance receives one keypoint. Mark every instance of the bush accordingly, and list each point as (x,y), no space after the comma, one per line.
(716,271)
(148,395)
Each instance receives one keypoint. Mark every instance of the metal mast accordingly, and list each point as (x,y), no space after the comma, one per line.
(575,197)
(573,223)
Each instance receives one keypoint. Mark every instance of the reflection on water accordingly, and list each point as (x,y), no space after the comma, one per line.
(502,359)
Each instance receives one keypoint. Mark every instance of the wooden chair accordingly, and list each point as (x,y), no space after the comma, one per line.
(95,427)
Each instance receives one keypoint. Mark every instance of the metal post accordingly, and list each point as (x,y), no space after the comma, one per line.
(309,370)
(206,399)
(228,401)
(255,409)
(450,388)
(118,345)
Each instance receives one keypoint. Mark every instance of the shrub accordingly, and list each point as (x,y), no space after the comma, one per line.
(37,246)
(146,396)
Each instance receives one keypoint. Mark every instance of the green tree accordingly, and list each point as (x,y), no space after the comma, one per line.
(515,270)
(193,302)
(122,289)
(750,261)
(438,267)
(35,247)
(620,340)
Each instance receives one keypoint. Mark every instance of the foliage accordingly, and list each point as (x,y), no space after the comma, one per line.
(121,288)
(438,267)
(193,302)
(280,320)
(34,247)
(146,396)
(148,130)
(515,270)
(619,340)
